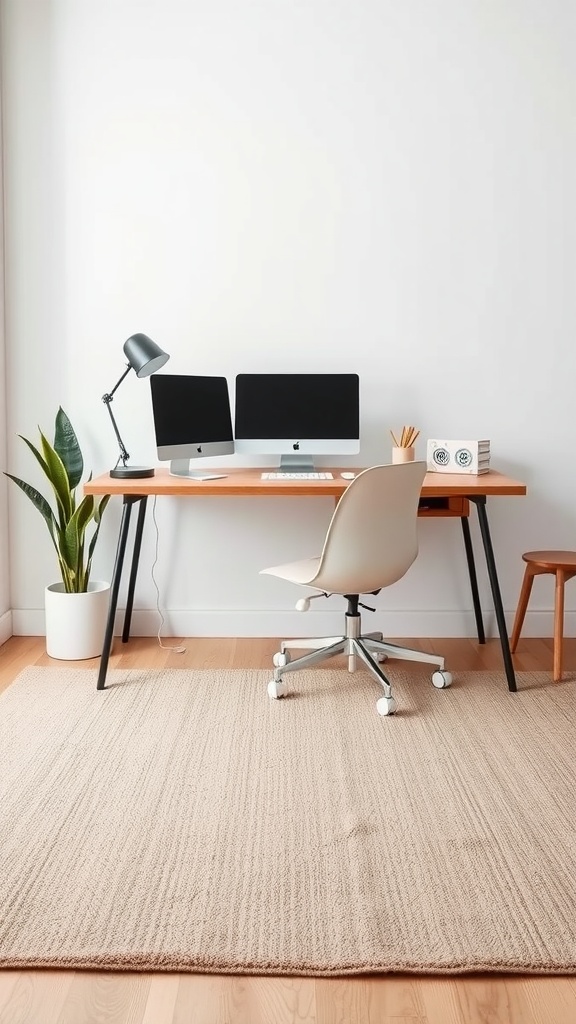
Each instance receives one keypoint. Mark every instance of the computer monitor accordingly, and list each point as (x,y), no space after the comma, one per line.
(297,416)
(192,420)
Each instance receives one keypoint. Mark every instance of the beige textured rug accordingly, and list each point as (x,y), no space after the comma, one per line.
(181,820)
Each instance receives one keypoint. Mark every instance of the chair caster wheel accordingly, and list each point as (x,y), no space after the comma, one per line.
(441,679)
(381,657)
(281,658)
(386,706)
(276,689)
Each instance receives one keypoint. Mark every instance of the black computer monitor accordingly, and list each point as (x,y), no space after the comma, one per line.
(297,416)
(192,420)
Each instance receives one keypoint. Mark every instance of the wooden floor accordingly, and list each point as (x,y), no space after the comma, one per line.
(74,997)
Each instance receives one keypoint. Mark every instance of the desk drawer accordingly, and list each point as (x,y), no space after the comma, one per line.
(456,506)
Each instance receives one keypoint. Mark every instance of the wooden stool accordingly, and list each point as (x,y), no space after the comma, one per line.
(563,565)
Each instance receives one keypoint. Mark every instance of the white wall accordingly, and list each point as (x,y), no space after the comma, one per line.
(259,185)
(5,609)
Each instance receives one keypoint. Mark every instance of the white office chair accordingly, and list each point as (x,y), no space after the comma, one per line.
(371,543)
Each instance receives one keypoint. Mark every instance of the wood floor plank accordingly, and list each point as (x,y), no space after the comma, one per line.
(8,982)
(490,998)
(342,1001)
(61,997)
(282,1000)
(551,1000)
(221,999)
(372,1000)
(105,998)
(161,1002)
(440,1001)
(36,997)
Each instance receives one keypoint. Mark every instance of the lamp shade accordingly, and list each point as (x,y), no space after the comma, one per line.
(144,355)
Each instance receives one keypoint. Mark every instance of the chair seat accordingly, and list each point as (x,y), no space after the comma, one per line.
(304,571)
(552,559)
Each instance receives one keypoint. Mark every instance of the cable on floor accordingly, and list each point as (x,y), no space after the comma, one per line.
(165,647)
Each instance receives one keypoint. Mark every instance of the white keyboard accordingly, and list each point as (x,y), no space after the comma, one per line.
(297,476)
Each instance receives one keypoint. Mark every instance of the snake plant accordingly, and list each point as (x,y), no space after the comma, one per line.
(69,520)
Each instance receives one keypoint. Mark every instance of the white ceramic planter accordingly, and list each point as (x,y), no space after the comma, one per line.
(76,623)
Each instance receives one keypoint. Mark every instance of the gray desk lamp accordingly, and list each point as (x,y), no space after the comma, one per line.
(145,357)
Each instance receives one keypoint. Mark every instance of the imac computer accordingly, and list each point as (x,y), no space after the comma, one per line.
(192,420)
(297,416)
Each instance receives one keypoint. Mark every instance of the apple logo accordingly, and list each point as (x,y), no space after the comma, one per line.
(199,448)
(296,446)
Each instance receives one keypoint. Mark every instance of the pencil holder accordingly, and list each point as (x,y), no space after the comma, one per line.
(403,454)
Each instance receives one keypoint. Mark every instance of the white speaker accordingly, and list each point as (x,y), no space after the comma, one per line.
(458,456)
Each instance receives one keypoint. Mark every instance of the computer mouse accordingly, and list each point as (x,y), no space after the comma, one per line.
(347,476)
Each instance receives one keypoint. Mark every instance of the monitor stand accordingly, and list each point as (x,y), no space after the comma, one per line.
(296,464)
(181,467)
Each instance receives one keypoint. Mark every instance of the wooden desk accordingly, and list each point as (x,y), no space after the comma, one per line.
(443,495)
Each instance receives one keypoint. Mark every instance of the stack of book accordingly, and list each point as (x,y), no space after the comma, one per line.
(458,456)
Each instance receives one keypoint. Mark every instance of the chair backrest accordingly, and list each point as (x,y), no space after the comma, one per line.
(372,538)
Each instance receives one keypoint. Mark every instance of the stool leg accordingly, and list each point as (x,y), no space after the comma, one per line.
(558,624)
(522,606)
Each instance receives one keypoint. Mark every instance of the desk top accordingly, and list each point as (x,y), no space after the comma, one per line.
(247,481)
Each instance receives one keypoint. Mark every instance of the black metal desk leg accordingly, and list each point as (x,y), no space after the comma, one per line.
(115,587)
(473,579)
(480,502)
(134,569)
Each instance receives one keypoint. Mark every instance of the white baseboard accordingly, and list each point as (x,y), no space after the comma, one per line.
(290,623)
(6,630)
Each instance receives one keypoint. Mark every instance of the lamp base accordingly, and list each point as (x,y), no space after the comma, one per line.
(131,472)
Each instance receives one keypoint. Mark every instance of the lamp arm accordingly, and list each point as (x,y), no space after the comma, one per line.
(107,399)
